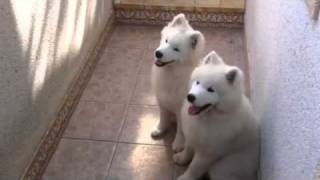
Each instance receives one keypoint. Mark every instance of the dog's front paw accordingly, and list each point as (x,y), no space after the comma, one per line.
(185,177)
(177,145)
(180,159)
(157,133)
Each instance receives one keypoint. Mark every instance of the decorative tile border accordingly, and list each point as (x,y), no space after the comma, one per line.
(52,137)
(161,17)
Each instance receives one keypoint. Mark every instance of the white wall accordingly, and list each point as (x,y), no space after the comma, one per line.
(42,45)
(284,54)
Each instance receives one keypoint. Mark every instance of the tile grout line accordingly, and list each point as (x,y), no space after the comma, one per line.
(156,106)
(129,100)
(120,103)
(104,102)
(114,141)
(144,105)
(117,48)
(153,106)
(125,114)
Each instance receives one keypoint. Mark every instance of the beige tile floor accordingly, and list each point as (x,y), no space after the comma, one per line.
(108,137)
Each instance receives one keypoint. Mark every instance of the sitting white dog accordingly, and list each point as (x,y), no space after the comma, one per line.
(175,59)
(221,131)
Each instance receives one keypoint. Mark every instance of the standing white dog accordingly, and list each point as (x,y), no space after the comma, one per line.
(176,57)
(221,131)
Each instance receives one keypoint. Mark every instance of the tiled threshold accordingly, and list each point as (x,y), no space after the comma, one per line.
(210,13)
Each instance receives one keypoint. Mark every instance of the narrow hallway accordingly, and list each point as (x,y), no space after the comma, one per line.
(108,136)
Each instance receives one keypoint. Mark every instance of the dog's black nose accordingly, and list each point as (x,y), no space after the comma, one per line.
(158,54)
(191,98)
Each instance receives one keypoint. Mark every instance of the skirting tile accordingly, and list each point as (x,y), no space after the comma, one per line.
(52,137)
(162,17)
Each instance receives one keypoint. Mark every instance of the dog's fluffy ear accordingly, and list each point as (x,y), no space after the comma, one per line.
(179,20)
(212,58)
(232,74)
(196,37)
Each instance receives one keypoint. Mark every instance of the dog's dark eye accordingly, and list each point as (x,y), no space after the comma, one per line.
(166,40)
(210,90)
(176,49)
(197,82)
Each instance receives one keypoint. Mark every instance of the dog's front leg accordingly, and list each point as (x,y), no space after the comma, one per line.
(163,124)
(198,167)
(178,143)
(184,157)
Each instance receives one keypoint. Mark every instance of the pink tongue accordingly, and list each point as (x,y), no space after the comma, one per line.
(159,63)
(193,110)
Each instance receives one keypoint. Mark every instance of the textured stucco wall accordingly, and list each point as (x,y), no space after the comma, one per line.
(42,45)
(284,55)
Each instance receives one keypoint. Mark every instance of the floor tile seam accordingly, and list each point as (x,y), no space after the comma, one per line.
(124,118)
(125,113)
(142,144)
(152,106)
(88,139)
(129,100)
(143,105)
(100,141)
(137,74)
(112,160)
(113,141)
(104,102)
(143,59)
(119,48)
(136,77)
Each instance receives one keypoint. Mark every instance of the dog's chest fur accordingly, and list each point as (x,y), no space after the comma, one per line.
(206,133)
(170,85)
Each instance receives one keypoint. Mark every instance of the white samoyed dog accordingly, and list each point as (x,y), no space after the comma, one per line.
(220,128)
(175,58)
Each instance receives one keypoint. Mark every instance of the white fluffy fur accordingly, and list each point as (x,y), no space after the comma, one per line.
(224,138)
(181,45)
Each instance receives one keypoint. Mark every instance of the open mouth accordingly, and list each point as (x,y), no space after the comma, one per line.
(195,110)
(160,64)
